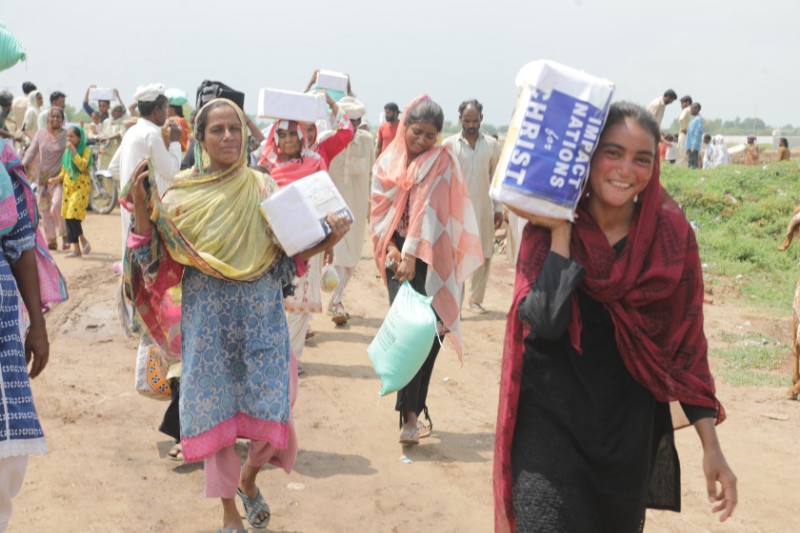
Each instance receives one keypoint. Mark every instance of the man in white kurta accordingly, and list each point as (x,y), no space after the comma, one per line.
(683,125)
(477,154)
(351,171)
(144,141)
(659,105)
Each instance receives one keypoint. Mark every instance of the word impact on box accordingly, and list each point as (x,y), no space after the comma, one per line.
(99,93)
(290,105)
(297,212)
(555,128)
(329,79)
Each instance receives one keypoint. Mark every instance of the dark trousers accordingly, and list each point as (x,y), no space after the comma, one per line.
(171,423)
(74,230)
(413,396)
(693,156)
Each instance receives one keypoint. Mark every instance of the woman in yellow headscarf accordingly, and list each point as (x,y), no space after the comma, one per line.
(208,234)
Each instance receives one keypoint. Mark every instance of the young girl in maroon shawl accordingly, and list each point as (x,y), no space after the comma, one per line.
(605,329)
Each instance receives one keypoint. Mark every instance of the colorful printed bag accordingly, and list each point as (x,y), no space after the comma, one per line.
(151,371)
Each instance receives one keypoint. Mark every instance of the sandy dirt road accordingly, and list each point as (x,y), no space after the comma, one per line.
(107,469)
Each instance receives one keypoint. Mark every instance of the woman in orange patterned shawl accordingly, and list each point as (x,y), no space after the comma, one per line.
(423,230)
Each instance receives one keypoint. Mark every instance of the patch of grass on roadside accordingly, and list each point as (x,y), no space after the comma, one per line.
(751,359)
(741,215)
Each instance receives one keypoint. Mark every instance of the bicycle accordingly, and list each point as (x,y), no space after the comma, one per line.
(104,191)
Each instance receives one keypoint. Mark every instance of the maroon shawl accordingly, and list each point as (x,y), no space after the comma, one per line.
(654,293)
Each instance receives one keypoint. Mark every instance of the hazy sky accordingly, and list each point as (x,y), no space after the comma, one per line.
(736,57)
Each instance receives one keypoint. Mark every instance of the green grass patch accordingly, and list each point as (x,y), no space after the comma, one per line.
(751,359)
(741,215)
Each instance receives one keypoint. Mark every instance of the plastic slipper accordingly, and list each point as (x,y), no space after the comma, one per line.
(477,309)
(409,436)
(176,453)
(339,318)
(87,247)
(423,430)
(253,507)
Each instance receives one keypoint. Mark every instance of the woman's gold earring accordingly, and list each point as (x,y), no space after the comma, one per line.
(636,198)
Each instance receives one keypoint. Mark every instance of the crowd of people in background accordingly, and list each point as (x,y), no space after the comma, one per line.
(691,147)
(187,185)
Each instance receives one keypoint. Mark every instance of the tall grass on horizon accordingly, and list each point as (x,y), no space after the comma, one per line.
(740,215)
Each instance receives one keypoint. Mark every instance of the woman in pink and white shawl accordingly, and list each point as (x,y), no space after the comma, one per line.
(424,230)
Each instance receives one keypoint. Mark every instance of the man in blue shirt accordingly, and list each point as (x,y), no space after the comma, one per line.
(694,136)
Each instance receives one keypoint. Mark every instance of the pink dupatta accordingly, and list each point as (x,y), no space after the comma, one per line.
(442,230)
(290,171)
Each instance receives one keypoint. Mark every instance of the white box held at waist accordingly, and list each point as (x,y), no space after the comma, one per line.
(101,93)
(290,105)
(555,128)
(329,79)
(297,212)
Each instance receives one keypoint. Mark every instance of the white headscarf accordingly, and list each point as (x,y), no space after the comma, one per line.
(721,155)
(353,108)
(30,120)
(148,93)
(33,102)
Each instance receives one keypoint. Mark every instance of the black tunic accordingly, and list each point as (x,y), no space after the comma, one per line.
(592,448)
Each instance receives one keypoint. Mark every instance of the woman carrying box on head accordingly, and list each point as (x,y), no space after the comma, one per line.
(423,230)
(229,329)
(287,158)
(605,329)
(333,141)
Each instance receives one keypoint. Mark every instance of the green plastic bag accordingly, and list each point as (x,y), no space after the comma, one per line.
(404,339)
(10,49)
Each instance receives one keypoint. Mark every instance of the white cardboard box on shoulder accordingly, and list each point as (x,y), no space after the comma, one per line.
(101,93)
(555,128)
(297,212)
(330,79)
(290,105)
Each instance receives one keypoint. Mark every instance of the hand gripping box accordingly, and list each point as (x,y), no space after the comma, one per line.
(100,93)
(290,105)
(297,212)
(555,128)
(329,79)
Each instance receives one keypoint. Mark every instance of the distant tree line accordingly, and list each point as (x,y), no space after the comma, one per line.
(739,126)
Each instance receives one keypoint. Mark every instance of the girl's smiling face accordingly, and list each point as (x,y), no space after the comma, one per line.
(622,164)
